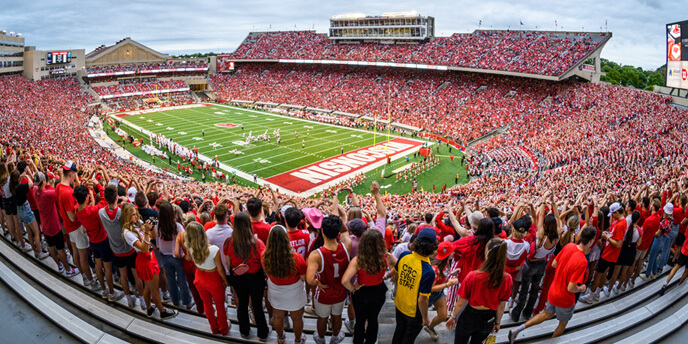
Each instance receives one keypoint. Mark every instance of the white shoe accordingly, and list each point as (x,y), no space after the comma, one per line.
(587,298)
(433,334)
(26,248)
(317,339)
(615,290)
(131,300)
(40,255)
(596,295)
(95,286)
(349,324)
(606,291)
(644,277)
(142,302)
(72,272)
(632,283)
(87,282)
(116,296)
(166,296)
(338,338)
(60,268)
(104,294)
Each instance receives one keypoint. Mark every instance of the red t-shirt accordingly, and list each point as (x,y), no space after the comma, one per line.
(254,260)
(296,276)
(650,227)
(571,268)
(389,238)
(261,229)
(66,202)
(678,216)
(89,218)
(31,196)
(475,289)
(684,248)
(644,214)
(469,258)
(366,279)
(611,253)
(210,224)
(50,220)
(299,240)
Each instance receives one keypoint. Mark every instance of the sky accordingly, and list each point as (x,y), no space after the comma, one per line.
(179,27)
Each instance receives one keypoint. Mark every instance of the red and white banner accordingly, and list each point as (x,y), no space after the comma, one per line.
(341,166)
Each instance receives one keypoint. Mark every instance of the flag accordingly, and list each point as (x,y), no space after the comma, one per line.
(480,22)
(605,22)
(521,21)
(555,22)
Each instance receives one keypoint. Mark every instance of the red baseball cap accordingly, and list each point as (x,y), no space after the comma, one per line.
(444,250)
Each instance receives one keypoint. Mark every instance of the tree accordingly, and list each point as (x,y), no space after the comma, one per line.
(618,74)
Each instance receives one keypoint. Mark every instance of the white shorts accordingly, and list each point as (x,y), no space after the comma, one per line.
(79,238)
(324,311)
(288,298)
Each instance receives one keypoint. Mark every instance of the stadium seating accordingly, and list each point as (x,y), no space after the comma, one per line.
(529,52)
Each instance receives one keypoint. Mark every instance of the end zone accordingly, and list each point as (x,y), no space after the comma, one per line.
(310,178)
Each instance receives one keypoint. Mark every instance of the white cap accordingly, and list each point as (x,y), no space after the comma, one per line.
(131,194)
(669,209)
(616,206)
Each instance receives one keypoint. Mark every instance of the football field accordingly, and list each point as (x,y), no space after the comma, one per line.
(309,156)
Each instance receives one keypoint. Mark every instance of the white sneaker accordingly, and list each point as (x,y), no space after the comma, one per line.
(349,324)
(632,283)
(615,290)
(40,255)
(606,291)
(166,296)
(317,339)
(116,296)
(72,272)
(87,282)
(104,294)
(95,286)
(338,338)
(26,248)
(596,295)
(644,277)
(142,302)
(433,334)
(587,298)
(60,268)
(131,300)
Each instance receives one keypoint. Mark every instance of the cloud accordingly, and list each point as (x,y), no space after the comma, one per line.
(220,26)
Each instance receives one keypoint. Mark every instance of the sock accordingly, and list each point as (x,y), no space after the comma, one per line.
(520,328)
(665,284)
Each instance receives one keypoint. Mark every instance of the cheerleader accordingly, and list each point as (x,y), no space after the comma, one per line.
(137,234)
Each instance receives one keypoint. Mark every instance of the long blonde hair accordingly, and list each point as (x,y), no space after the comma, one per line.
(196,241)
(128,211)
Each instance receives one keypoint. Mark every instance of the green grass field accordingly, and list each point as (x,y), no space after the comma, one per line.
(269,159)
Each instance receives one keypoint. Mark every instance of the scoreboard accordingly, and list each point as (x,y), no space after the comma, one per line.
(58,57)
(677,54)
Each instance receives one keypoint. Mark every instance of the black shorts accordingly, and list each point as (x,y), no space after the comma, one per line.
(680,239)
(682,260)
(126,261)
(627,255)
(56,241)
(602,265)
(10,206)
(37,215)
(102,250)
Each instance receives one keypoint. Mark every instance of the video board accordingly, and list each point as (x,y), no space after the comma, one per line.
(677,54)
(57,57)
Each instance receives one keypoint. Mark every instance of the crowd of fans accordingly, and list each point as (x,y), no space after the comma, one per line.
(147,87)
(608,154)
(146,67)
(515,51)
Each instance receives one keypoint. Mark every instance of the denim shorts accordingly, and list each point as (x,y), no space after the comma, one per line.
(435,296)
(25,213)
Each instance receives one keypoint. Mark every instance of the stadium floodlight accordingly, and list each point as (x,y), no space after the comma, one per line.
(19,34)
(11,33)
(4,32)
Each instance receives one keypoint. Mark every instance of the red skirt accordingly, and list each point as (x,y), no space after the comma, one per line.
(146,266)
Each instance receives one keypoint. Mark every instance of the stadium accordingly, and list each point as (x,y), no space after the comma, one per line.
(506,146)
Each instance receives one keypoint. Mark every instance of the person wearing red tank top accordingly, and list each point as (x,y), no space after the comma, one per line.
(368,292)
(298,238)
(326,265)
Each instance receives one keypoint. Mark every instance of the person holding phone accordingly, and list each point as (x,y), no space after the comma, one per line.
(138,235)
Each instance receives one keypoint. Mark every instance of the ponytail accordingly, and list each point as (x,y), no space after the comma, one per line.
(495,262)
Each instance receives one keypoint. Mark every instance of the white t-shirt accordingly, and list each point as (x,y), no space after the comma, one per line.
(209,262)
(217,236)
(131,238)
